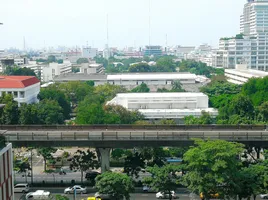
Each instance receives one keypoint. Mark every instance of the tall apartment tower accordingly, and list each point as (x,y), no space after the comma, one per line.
(254,19)
(251,46)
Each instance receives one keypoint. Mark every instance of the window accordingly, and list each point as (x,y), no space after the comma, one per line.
(21,94)
(15,94)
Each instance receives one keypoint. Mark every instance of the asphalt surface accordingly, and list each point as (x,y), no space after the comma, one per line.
(134,196)
(139,196)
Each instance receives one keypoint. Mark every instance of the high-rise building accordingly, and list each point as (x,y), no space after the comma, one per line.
(250,47)
(254,19)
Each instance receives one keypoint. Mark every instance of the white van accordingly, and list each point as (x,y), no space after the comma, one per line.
(38,194)
(22,187)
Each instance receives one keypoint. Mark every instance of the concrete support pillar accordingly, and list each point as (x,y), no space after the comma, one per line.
(104,155)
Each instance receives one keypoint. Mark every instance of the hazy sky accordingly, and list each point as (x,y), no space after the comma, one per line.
(74,22)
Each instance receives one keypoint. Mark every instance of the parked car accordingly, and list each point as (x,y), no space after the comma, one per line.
(22,187)
(105,196)
(264,196)
(78,188)
(165,195)
(92,175)
(38,194)
(147,188)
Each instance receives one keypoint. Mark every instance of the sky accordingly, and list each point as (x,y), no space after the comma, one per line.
(46,23)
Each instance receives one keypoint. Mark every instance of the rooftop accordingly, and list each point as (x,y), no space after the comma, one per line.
(250,73)
(17,81)
(151,76)
(166,95)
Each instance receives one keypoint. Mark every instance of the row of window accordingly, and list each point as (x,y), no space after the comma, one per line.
(14,93)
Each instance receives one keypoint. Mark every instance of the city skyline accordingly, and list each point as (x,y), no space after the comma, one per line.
(84,22)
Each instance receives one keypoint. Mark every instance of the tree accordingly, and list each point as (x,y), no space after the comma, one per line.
(177,87)
(28,114)
(22,166)
(59,96)
(251,181)
(2,141)
(140,67)
(83,161)
(142,88)
(15,71)
(10,112)
(50,112)
(167,122)
(89,113)
(46,153)
(117,154)
(165,64)
(51,59)
(263,111)
(242,106)
(154,156)
(116,114)
(116,184)
(164,179)
(134,163)
(212,167)
(82,60)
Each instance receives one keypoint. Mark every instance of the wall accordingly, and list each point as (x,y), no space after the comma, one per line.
(6,173)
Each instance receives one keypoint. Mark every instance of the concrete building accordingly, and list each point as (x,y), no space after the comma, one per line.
(94,68)
(242,74)
(165,105)
(131,79)
(6,173)
(23,88)
(89,52)
(153,51)
(250,47)
(55,69)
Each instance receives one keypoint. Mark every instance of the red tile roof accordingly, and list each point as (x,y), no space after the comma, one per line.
(17,81)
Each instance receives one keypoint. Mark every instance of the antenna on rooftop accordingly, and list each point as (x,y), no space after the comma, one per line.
(24,43)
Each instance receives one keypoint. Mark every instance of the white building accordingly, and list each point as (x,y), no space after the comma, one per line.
(165,105)
(251,47)
(89,52)
(55,69)
(19,61)
(23,88)
(6,173)
(241,74)
(94,68)
(150,78)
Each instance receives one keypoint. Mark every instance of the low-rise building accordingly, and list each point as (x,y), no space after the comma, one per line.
(54,69)
(23,88)
(94,68)
(241,74)
(155,106)
(6,172)
(131,79)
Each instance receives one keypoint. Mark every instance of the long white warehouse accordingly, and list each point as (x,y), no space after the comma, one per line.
(165,105)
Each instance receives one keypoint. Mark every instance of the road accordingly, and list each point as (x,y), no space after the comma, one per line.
(138,196)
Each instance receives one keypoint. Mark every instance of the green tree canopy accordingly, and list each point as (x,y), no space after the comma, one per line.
(83,161)
(46,153)
(164,179)
(82,60)
(140,67)
(116,184)
(59,96)
(212,167)
(142,88)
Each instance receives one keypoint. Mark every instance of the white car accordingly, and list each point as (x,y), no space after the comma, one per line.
(78,188)
(38,194)
(264,196)
(22,187)
(165,195)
